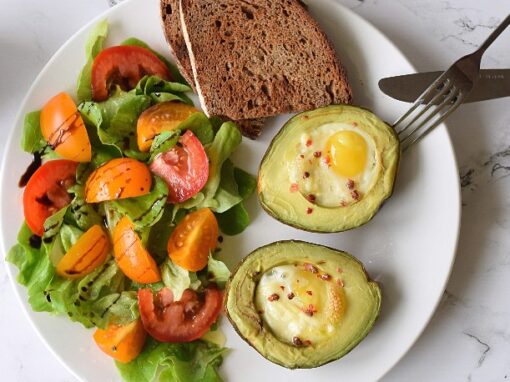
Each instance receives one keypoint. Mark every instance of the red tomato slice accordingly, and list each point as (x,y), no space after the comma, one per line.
(185,168)
(179,321)
(46,192)
(124,66)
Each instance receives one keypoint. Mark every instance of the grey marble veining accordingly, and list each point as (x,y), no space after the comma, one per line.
(468,338)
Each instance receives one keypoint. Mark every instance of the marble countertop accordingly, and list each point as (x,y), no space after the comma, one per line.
(468,338)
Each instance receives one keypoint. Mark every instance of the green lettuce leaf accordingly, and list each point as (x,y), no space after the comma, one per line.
(93,46)
(217,272)
(144,211)
(97,299)
(233,221)
(225,142)
(196,361)
(199,125)
(162,91)
(31,138)
(178,279)
(83,214)
(163,142)
(35,269)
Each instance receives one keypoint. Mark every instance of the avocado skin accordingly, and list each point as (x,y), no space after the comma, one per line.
(303,361)
(307,223)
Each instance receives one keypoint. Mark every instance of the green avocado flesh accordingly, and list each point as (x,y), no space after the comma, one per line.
(301,305)
(329,169)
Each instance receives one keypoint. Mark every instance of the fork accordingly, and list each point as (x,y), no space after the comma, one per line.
(444,95)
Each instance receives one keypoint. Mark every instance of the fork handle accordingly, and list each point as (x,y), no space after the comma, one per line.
(501,27)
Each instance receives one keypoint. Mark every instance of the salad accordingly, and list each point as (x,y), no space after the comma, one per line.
(124,203)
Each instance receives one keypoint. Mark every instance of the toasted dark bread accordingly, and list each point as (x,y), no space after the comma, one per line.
(259,58)
(170,18)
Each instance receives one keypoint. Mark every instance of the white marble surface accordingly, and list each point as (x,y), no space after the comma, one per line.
(468,338)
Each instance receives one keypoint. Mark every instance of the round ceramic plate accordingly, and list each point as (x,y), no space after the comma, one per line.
(408,247)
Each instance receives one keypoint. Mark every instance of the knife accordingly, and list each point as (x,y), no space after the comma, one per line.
(493,83)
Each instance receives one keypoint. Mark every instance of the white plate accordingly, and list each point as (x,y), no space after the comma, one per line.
(409,246)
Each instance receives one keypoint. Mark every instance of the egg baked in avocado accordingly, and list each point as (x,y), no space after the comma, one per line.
(301,305)
(329,169)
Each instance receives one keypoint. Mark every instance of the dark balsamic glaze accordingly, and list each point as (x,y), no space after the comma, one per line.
(32,167)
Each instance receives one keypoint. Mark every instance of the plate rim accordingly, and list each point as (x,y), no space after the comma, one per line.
(19,117)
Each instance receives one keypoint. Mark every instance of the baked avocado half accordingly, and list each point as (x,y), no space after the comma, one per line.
(329,169)
(301,305)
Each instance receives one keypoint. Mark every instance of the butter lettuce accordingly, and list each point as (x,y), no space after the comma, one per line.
(196,361)
(93,46)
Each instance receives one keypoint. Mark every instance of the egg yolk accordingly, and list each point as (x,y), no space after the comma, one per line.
(348,152)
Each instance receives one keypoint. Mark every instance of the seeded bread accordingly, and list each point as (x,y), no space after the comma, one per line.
(259,58)
(170,18)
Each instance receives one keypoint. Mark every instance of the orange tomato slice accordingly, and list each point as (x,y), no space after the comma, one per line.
(164,116)
(193,239)
(85,255)
(132,258)
(123,343)
(118,179)
(63,128)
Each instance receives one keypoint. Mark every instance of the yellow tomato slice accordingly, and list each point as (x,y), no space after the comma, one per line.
(63,128)
(164,116)
(133,259)
(118,179)
(193,239)
(123,343)
(85,255)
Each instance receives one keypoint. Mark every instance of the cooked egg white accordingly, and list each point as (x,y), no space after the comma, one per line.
(336,164)
(299,305)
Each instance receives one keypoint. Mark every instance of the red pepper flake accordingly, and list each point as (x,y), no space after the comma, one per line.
(273,297)
(350,184)
(311,268)
(317,154)
(294,187)
(260,311)
(306,175)
(307,343)
(282,287)
(339,270)
(297,341)
(311,310)
(343,203)
(325,277)
(311,198)
(291,295)
(309,292)
(308,142)
(327,160)
(355,124)
(302,156)
(340,283)
(355,194)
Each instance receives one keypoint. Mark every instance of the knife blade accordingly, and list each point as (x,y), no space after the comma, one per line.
(493,83)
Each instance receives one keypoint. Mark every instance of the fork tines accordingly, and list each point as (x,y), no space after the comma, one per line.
(432,107)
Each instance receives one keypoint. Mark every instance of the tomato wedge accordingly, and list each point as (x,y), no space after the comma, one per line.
(86,254)
(132,258)
(179,321)
(46,192)
(123,343)
(193,239)
(185,168)
(64,130)
(118,179)
(124,65)
(163,116)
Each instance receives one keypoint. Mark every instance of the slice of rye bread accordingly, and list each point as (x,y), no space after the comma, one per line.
(259,58)
(171,22)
